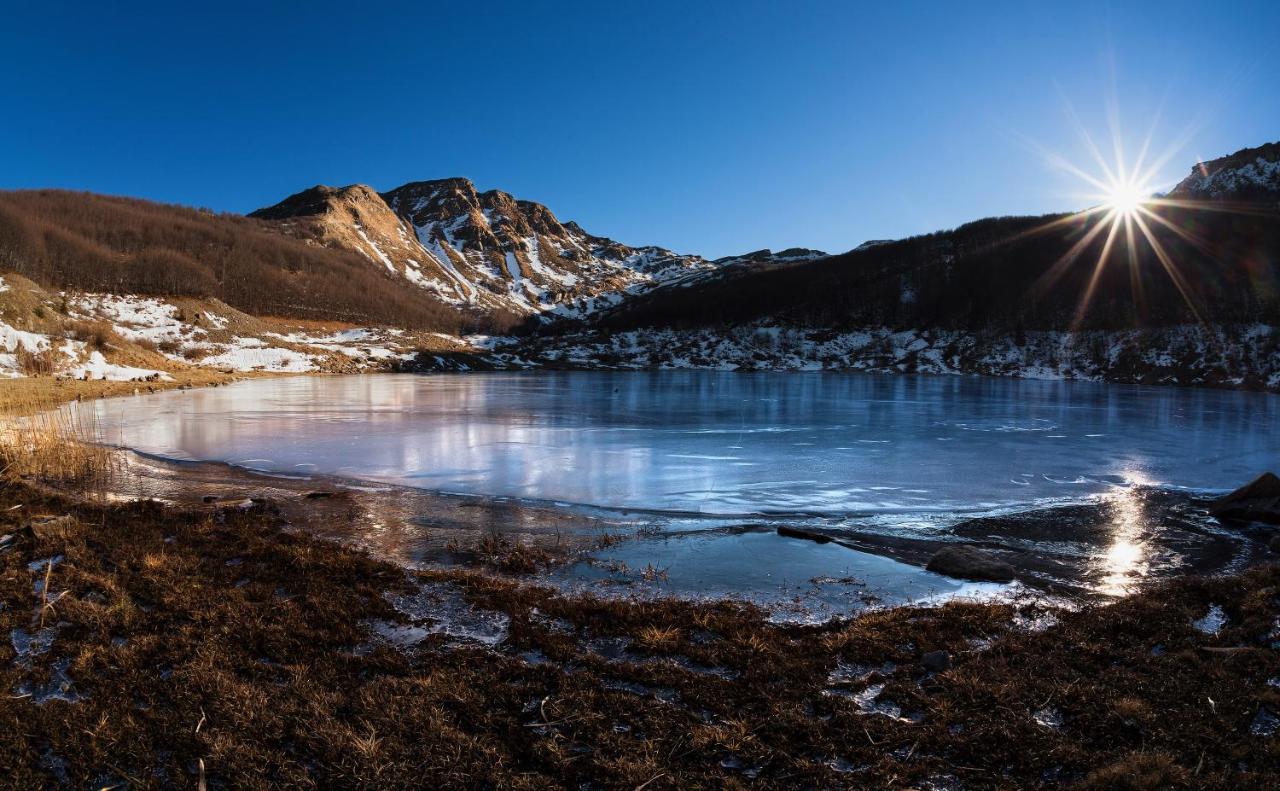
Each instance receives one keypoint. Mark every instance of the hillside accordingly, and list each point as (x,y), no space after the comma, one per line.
(1001,274)
(341,279)
(1248,174)
(1193,299)
(1025,272)
(94,243)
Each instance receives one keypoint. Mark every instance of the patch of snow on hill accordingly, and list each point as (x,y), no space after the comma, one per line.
(136,318)
(97,367)
(14,340)
(249,356)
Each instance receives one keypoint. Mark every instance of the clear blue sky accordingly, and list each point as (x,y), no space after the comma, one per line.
(712,128)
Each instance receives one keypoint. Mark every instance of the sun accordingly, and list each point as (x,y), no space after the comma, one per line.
(1125,210)
(1126,198)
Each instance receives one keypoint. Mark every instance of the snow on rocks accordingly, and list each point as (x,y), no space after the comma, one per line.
(1223,355)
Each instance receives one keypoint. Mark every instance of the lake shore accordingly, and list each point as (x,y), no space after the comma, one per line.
(173,622)
(1109,546)
(154,645)
(25,395)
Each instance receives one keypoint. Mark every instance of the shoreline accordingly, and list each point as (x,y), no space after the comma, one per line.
(1057,551)
(166,645)
(204,624)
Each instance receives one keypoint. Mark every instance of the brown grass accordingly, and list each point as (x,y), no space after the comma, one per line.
(216,644)
(38,393)
(57,448)
(99,335)
(36,363)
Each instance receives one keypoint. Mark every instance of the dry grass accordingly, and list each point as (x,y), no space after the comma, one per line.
(513,556)
(58,448)
(213,644)
(96,334)
(39,393)
(36,363)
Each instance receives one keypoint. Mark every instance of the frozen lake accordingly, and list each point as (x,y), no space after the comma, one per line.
(894,450)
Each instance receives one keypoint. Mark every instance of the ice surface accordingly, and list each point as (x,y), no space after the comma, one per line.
(900,451)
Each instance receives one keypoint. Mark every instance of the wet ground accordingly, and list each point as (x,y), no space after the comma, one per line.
(804,571)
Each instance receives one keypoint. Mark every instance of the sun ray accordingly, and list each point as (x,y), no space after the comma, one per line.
(1224,207)
(1170,267)
(1070,111)
(1096,275)
(1147,176)
(1199,242)
(1131,211)
(1135,274)
(1059,267)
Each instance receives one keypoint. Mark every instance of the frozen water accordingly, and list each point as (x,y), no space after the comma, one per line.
(903,449)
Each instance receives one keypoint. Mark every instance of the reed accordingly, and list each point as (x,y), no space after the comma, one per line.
(58,448)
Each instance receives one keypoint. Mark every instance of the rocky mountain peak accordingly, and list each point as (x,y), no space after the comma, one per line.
(1248,174)
(485,249)
(316,201)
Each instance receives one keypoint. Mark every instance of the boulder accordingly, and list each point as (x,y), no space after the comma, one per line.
(1275,544)
(1256,501)
(936,661)
(970,563)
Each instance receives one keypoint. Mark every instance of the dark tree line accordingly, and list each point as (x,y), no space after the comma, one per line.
(1003,274)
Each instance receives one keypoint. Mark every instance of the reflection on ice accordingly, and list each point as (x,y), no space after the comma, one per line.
(1124,561)
(845,445)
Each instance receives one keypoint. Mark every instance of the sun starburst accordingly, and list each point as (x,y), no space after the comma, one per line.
(1125,213)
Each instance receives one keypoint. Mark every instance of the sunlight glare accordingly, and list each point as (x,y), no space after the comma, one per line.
(1126,198)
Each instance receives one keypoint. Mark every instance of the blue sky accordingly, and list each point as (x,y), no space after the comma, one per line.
(713,128)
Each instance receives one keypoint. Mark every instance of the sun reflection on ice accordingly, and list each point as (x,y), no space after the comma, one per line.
(1126,560)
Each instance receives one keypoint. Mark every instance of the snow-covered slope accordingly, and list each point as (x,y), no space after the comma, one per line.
(1248,174)
(1225,355)
(125,337)
(486,250)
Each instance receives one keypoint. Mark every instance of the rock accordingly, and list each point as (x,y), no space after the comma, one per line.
(209,498)
(1275,544)
(792,532)
(320,495)
(265,505)
(936,661)
(1256,501)
(971,563)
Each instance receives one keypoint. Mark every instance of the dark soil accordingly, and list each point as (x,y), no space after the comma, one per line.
(193,647)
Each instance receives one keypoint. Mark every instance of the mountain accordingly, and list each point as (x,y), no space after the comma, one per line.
(1192,296)
(484,251)
(1187,291)
(1248,174)
(1002,273)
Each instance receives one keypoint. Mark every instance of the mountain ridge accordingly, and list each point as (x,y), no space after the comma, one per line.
(1196,302)
(483,250)
(1248,174)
